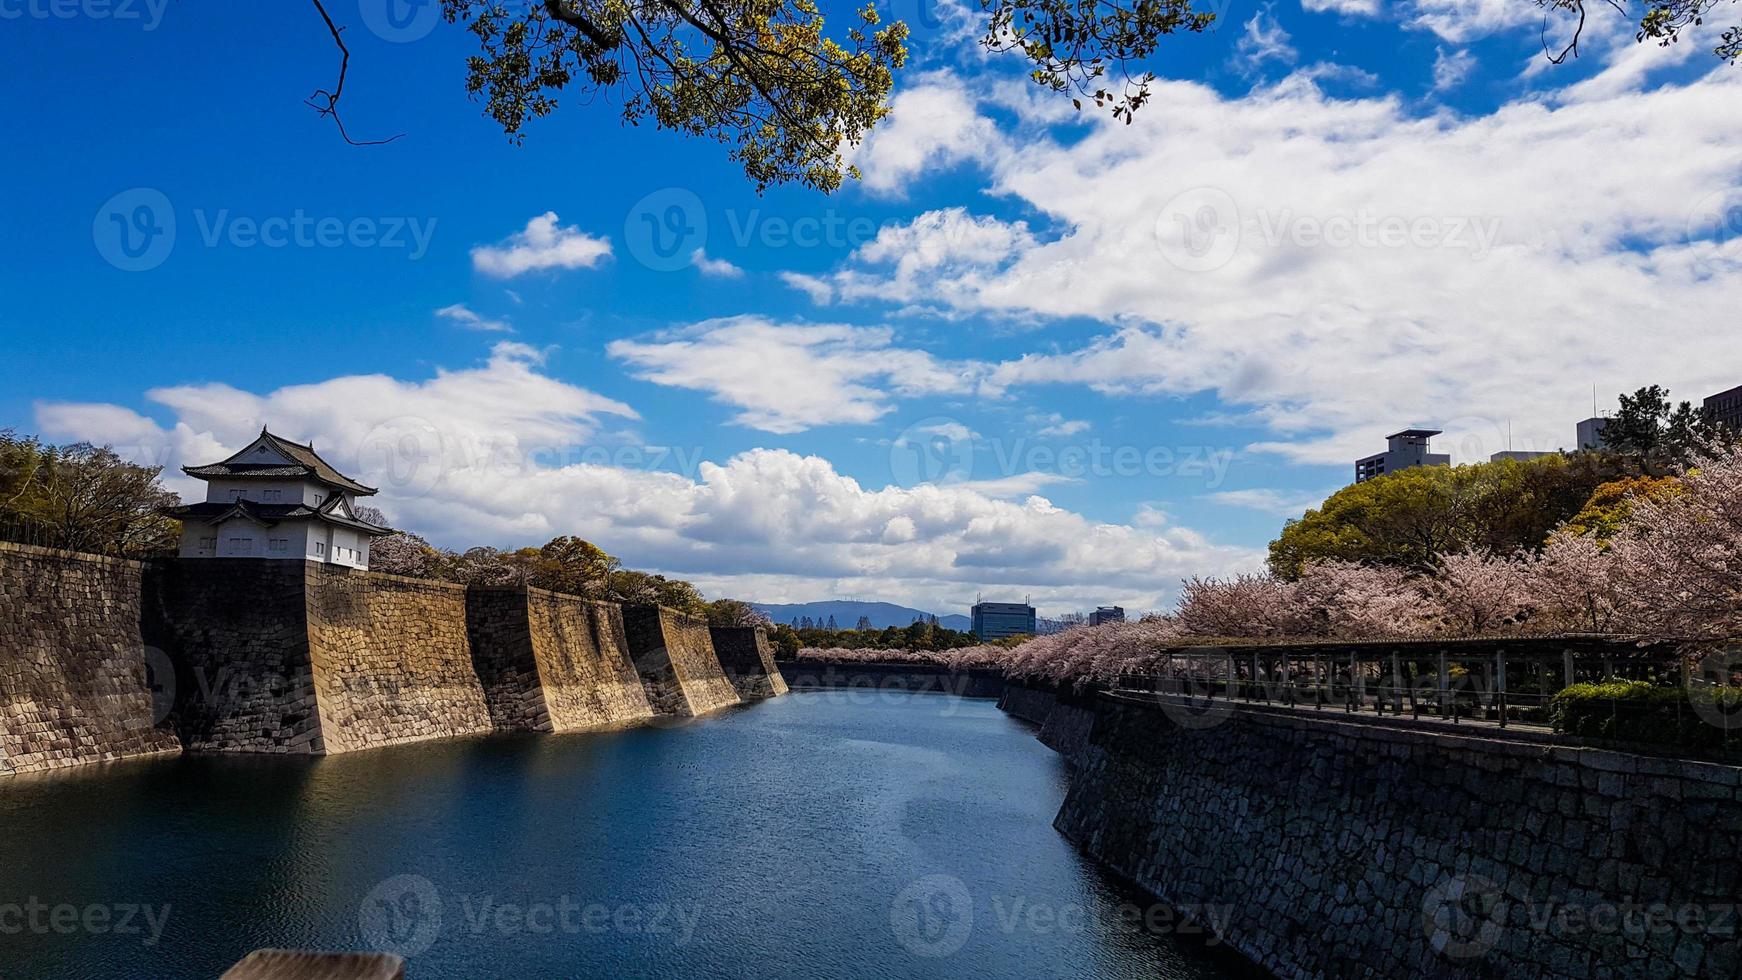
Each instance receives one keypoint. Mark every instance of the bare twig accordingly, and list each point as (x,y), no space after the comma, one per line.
(331,107)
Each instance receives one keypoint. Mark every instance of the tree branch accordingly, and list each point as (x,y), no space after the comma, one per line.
(331,108)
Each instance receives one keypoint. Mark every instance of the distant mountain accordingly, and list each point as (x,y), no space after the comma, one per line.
(882,614)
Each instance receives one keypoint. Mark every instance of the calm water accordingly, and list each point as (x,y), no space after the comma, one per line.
(821,835)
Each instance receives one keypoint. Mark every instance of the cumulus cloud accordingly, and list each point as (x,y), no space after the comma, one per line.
(504,454)
(466,317)
(932,124)
(1334,268)
(717,268)
(1366,8)
(899,264)
(542,244)
(788,377)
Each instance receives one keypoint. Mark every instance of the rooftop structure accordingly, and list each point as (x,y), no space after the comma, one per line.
(1404,449)
(277,499)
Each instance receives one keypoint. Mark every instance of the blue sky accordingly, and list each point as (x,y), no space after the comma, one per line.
(1031,353)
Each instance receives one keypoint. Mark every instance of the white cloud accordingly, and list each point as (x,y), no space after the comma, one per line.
(1366,8)
(896,265)
(542,244)
(465,317)
(1264,40)
(932,124)
(1336,268)
(791,377)
(1461,21)
(1055,424)
(717,268)
(1281,503)
(1451,68)
(501,455)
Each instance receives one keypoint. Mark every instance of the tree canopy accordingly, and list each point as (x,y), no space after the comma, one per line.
(81,497)
(1413,517)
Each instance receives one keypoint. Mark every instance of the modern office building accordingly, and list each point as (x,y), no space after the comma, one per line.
(1106,614)
(1725,408)
(995,620)
(1403,450)
(1590,434)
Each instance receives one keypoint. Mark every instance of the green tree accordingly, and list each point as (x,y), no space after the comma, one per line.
(732,612)
(765,77)
(1662,434)
(1412,517)
(81,497)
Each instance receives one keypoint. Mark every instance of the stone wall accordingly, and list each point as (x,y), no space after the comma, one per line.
(391,659)
(748,661)
(73,680)
(1031,704)
(675,658)
(1337,849)
(811,674)
(1068,726)
(552,662)
(236,632)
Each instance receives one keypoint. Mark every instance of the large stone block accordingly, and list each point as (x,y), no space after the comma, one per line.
(748,660)
(552,662)
(74,687)
(674,656)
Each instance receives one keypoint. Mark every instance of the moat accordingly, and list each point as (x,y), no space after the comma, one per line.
(819,835)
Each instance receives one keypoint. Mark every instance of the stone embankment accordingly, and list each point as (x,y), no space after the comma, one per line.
(106,659)
(1338,849)
(810,674)
(748,659)
(74,683)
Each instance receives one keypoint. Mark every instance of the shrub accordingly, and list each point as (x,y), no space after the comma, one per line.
(1636,711)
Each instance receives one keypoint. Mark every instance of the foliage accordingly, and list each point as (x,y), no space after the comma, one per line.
(964,658)
(1413,517)
(1611,505)
(81,497)
(1649,427)
(920,635)
(1637,711)
(732,612)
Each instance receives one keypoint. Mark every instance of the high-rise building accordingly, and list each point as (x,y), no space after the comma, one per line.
(1590,434)
(1403,450)
(1725,408)
(995,620)
(1107,614)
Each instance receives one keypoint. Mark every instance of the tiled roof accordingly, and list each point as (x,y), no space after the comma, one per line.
(308,465)
(216,511)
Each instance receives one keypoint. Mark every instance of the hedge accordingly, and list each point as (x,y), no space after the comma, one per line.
(1637,711)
